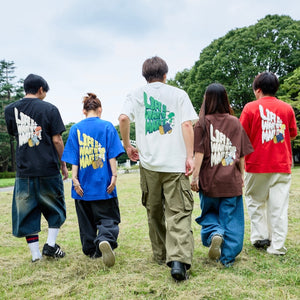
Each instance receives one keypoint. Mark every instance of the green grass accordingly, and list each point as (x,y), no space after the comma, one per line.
(4,182)
(255,275)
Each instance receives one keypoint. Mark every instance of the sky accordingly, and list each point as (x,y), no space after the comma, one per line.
(99,46)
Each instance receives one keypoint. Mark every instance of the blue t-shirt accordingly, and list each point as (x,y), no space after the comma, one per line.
(90,145)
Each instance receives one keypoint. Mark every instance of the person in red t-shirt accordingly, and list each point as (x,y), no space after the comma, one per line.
(220,146)
(271,125)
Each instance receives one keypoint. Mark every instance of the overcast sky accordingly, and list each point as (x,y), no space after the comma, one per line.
(99,46)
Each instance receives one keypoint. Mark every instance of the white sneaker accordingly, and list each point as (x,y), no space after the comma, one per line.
(108,254)
(214,251)
(281,251)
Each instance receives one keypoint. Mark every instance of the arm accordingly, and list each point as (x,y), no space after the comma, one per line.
(76,183)
(124,123)
(59,146)
(188,136)
(113,166)
(242,168)
(196,172)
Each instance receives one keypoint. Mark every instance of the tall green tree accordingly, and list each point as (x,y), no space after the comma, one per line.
(10,91)
(289,92)
(272,44)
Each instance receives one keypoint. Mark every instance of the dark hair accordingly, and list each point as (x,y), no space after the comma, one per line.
(267,82)
(33,83)
(154,69)
(215,101)
(91,102)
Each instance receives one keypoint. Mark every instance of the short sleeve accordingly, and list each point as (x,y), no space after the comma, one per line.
(115,147)
(127,108)
(198,136)
(71,151)
(56,123)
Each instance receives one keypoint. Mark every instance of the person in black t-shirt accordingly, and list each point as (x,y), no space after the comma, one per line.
(37,127)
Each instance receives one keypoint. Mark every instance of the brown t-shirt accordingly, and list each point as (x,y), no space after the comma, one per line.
(223,143)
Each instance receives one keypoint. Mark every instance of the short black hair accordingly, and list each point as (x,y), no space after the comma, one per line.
(154,69)
(32,84)
(267,82)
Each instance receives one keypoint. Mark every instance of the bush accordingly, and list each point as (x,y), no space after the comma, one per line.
(7,175)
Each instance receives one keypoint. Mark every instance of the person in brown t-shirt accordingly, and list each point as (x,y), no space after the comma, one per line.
(220,145)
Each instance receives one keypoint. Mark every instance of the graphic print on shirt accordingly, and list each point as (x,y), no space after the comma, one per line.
(271,126)
(90,151)
(28,130)
(157,117)
(222,150)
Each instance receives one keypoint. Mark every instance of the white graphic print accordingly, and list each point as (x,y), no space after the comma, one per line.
(271,126)
(221,148)
(28,130)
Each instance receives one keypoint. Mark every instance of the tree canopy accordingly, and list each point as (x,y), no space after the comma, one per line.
(10,91)
(272,44)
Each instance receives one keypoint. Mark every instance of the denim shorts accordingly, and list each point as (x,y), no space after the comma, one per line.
(34,196)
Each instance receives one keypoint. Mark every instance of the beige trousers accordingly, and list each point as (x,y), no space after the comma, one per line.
(267,198)
(169,203)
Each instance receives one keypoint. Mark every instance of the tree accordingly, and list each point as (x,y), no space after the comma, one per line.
(272,44)
(289,92)
(10,91)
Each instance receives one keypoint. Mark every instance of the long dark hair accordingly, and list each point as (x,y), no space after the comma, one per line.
(215,102)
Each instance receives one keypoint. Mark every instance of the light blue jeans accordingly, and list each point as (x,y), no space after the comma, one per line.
(223,216)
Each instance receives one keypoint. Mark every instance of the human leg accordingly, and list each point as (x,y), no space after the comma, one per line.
(231,216)
(179,204)
(50,195)
(209,219)
(26,215)
(153,200)
(278,212)
(256,195)
(87,228)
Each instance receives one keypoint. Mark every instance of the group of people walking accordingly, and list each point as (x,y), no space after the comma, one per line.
(172,143)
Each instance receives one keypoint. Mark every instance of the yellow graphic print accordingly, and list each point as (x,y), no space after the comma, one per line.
(91,152)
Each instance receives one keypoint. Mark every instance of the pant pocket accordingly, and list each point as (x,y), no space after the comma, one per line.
(188,199)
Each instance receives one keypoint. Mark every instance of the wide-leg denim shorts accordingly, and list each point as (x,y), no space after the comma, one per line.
(34,196)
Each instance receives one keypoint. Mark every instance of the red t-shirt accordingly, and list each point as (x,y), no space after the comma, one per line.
(223,144)
(270,124)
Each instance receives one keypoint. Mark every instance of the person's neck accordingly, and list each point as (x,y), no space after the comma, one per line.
(31,96)
(92,114)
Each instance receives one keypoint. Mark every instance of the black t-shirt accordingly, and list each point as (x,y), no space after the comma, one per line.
(34,122)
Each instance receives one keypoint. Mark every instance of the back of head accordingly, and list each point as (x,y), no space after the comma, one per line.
(33,83)
(267,82)
(154,69)
(91,102)
(215,100)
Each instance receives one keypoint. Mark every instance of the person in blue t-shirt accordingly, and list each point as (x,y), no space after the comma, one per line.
(92,148)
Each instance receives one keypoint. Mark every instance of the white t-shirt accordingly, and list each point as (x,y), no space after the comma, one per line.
(158,111)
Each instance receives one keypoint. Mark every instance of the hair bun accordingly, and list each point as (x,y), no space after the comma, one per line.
(92,95)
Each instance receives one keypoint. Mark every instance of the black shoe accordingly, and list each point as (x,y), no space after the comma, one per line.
(262,244)
(178,270)
(55,251)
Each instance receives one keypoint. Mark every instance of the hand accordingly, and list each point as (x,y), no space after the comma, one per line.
(78,189)
(195,184)
(64,171)
(112,185)
(189,166)
(132,153)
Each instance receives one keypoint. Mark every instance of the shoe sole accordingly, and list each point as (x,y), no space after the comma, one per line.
(108,255)
(214,251)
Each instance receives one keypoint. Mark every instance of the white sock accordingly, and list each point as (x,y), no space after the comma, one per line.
(35,251)
(52,234)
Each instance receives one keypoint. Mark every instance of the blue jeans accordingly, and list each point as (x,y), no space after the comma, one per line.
(223,216)
(34,196)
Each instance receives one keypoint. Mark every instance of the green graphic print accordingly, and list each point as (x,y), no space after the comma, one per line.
(157,117)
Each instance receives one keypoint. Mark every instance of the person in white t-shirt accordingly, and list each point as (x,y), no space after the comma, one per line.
(163,117)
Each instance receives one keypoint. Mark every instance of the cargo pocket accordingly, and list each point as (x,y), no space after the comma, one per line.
(144,187)
(188,199)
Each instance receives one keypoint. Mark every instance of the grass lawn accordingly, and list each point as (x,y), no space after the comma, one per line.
(255,275)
